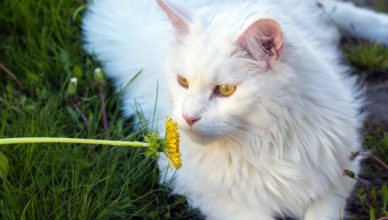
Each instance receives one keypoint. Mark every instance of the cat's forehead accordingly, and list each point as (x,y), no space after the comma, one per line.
(213,35)
(207,53)
(206,62)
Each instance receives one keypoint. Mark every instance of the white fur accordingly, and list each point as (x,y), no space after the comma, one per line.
(279,144)
(357,21)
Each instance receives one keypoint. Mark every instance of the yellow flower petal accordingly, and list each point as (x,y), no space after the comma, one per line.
(172,144)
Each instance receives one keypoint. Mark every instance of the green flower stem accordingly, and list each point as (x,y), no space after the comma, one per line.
(70,141)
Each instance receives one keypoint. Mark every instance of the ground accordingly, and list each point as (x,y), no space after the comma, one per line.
(40,43)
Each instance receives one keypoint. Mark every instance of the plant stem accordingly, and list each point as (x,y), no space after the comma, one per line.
(81,113)
(103,108)
(70,141)
(376,158)
(366,189)
(12,76)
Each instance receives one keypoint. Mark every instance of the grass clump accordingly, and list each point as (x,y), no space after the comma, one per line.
(374,196)
(370,58)
(370,199)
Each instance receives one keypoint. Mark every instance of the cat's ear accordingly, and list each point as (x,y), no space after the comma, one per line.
(262,40)
(179,17)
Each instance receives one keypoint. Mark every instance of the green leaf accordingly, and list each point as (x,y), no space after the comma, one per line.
(75,115)
(384,196)
(167,216)
(4,166)
(32,76)
(44,94)
(372,214)
(23,100)
(65,59)
(78,10)
(374,196)
(154,214)
(30,107)
(77,72)
(120,126)
(9,91)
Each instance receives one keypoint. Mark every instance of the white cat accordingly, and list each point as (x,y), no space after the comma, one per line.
(267,112)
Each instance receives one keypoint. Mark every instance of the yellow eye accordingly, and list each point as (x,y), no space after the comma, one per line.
(183,82)
(225,90)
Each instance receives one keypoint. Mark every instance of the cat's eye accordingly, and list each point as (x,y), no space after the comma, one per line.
(224,90)
(183,82)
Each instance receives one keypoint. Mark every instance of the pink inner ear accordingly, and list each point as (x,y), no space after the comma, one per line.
(177,16)
(264,38)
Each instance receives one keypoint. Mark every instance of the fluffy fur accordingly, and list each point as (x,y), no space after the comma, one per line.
(280,143)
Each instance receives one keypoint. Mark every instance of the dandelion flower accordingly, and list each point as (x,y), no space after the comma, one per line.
(171,148)
(169,145)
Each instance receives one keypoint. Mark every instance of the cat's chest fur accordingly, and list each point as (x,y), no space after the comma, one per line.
(224,174)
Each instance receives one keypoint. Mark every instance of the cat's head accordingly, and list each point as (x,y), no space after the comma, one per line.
(223,82)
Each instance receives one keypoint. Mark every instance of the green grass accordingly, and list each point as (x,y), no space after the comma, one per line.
(40,42)
(370,199)
(381,6)
(369,58)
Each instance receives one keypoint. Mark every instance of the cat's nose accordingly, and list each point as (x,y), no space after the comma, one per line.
(191,119)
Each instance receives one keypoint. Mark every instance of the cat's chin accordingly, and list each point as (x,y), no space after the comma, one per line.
(199,138)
